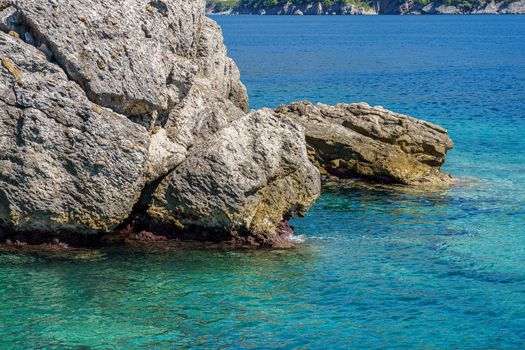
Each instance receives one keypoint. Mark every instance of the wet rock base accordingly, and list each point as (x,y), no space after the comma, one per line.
(144,234)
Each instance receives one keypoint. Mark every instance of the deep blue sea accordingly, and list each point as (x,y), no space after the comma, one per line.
(379,268)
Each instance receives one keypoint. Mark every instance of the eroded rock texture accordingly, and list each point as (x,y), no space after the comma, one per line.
(103,102)
(356,140)
(135,57)
(242,179)
(65,163)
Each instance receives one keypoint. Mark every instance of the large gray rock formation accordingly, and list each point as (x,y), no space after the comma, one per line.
(128,114)
(103,102)
(357,140)
(141,59)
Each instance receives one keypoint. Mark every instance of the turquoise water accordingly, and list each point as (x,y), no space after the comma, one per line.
(380,267)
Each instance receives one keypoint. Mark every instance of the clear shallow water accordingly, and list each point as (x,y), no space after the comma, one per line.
(380,268)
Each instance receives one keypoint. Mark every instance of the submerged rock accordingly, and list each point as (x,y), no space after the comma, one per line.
(357,140)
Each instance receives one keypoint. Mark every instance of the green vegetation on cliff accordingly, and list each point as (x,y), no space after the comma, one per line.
(227,4)
(268,3)
(224,5)
(461,3)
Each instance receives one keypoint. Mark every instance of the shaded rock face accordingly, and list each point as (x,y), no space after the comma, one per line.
(109,111)
(243,185)
(357,140)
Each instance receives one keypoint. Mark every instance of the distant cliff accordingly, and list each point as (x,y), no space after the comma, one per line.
(365,7)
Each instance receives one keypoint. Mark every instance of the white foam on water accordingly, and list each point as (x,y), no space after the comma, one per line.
(297,238)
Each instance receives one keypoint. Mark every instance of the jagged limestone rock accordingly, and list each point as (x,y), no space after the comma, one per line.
(161,63)
(248,177)
(97,184)
(65,163)
(201,113)
(357,140)
(133,56)
(220,70)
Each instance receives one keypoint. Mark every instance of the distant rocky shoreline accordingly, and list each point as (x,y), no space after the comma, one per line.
(382,7)
(133,125)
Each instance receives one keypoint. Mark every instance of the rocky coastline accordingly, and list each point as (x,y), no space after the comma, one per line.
(382,7)
(129,122)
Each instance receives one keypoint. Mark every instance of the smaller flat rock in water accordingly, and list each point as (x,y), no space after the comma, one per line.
(245,180)
(359,141)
